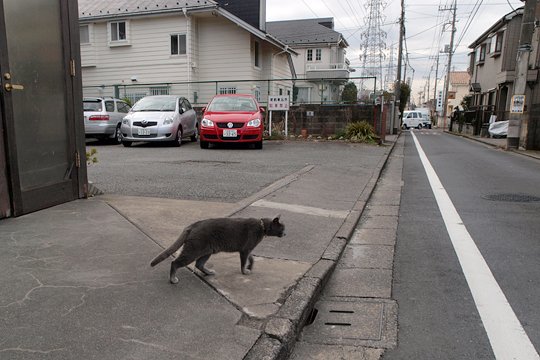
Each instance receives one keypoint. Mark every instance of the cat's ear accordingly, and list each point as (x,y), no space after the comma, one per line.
(276,219)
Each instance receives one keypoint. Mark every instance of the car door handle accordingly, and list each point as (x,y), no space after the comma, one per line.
(10,87)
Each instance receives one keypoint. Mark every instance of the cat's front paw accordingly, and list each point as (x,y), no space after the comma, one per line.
(174,280)
(246,271)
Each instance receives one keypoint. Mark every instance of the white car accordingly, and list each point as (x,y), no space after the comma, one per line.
(103,117)
(162,118)
(412,119)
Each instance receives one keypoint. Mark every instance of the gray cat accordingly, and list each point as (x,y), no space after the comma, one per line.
(206,237)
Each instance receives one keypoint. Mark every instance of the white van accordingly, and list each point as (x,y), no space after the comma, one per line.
(412,119)
(427,117)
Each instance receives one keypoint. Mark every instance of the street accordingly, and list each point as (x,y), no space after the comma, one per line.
(497,197)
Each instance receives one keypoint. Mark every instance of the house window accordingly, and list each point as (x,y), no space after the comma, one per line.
(159,90)
(280,91)
(310,55)
(257,93)
(257,54)
(499,42)
(178,44)
(318,54)
(481,53)
(118,31)
(84,34)
(227,90)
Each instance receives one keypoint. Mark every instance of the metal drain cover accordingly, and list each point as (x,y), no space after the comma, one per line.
(511,197)
(358,322)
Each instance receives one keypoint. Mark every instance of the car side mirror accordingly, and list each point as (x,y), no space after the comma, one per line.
(203,109)
(182,110)
(262,109)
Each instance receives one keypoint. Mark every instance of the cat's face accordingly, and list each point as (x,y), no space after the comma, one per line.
(276,228)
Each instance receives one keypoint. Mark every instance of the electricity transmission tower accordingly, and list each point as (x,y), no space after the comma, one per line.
(373,41)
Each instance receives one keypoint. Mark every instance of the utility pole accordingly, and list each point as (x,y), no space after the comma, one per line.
(522,66)
(435,91)
(397,88)
(453,8)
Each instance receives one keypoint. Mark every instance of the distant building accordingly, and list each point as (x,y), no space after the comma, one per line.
(321,55)
(458,88)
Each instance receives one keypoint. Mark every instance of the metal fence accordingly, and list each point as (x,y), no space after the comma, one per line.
(300,91)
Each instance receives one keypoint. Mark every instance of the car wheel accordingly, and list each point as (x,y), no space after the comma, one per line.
(126,143)
(259,145)
(178,140)
(419,126)
(204,144)
(117,138)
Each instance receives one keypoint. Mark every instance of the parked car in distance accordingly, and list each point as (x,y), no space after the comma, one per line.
(161,118)
(426,114)
(412,119)
(103,117)
(232,118)
(498,129)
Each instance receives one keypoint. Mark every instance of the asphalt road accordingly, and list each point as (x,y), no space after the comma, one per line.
(224,174)
(438,317)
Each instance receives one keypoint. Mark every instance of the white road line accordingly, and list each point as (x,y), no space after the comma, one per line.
(506,334)
(339,214)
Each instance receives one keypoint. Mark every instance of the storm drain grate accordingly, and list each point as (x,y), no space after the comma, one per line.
(508,197)
(350,322)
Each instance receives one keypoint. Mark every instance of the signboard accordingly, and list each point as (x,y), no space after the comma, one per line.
(278,103)
(518,104)
(310,113)
(439,101)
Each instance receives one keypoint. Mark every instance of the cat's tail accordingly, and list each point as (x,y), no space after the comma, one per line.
(171,249)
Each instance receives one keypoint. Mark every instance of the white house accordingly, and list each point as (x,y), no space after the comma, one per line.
(194,48)
(321,57)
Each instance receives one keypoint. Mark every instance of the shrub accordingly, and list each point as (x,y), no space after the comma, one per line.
(360,131)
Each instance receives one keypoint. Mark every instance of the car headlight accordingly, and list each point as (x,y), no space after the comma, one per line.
(125,121)
(168,121)
(207,123)
(254,123)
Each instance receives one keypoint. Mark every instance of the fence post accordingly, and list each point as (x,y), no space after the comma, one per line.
(117,91)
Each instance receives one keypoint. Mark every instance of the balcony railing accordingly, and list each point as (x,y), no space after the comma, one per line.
(327,71)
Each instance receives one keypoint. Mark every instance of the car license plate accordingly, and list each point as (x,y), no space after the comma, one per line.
(143,131)
(230,133)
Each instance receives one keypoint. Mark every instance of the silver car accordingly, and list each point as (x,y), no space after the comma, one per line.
(165,118)
(103,117)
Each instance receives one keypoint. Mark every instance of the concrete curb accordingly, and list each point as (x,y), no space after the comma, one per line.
(281,330)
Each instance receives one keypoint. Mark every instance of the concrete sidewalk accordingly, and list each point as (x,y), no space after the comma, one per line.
(77,281)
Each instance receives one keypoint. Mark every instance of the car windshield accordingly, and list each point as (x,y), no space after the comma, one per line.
(92,105)
(233,103)
(155,104)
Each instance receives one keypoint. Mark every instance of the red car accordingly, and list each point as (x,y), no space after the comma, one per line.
(232,118)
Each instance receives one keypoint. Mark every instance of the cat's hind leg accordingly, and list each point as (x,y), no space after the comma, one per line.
(182,260)
(200,265)
(244,259)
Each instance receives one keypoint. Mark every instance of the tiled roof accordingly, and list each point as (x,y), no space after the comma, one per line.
(89,9)
(304,32)
(459,78)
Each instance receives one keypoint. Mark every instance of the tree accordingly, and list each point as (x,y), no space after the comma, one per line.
(350,93)
(466,102)
(405,92)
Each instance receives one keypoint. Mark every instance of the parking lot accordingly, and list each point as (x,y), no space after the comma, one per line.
(224,174)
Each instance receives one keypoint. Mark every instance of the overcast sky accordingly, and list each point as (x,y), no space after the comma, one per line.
(424,28)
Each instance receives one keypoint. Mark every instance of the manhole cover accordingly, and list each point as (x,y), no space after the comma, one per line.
(511,197)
